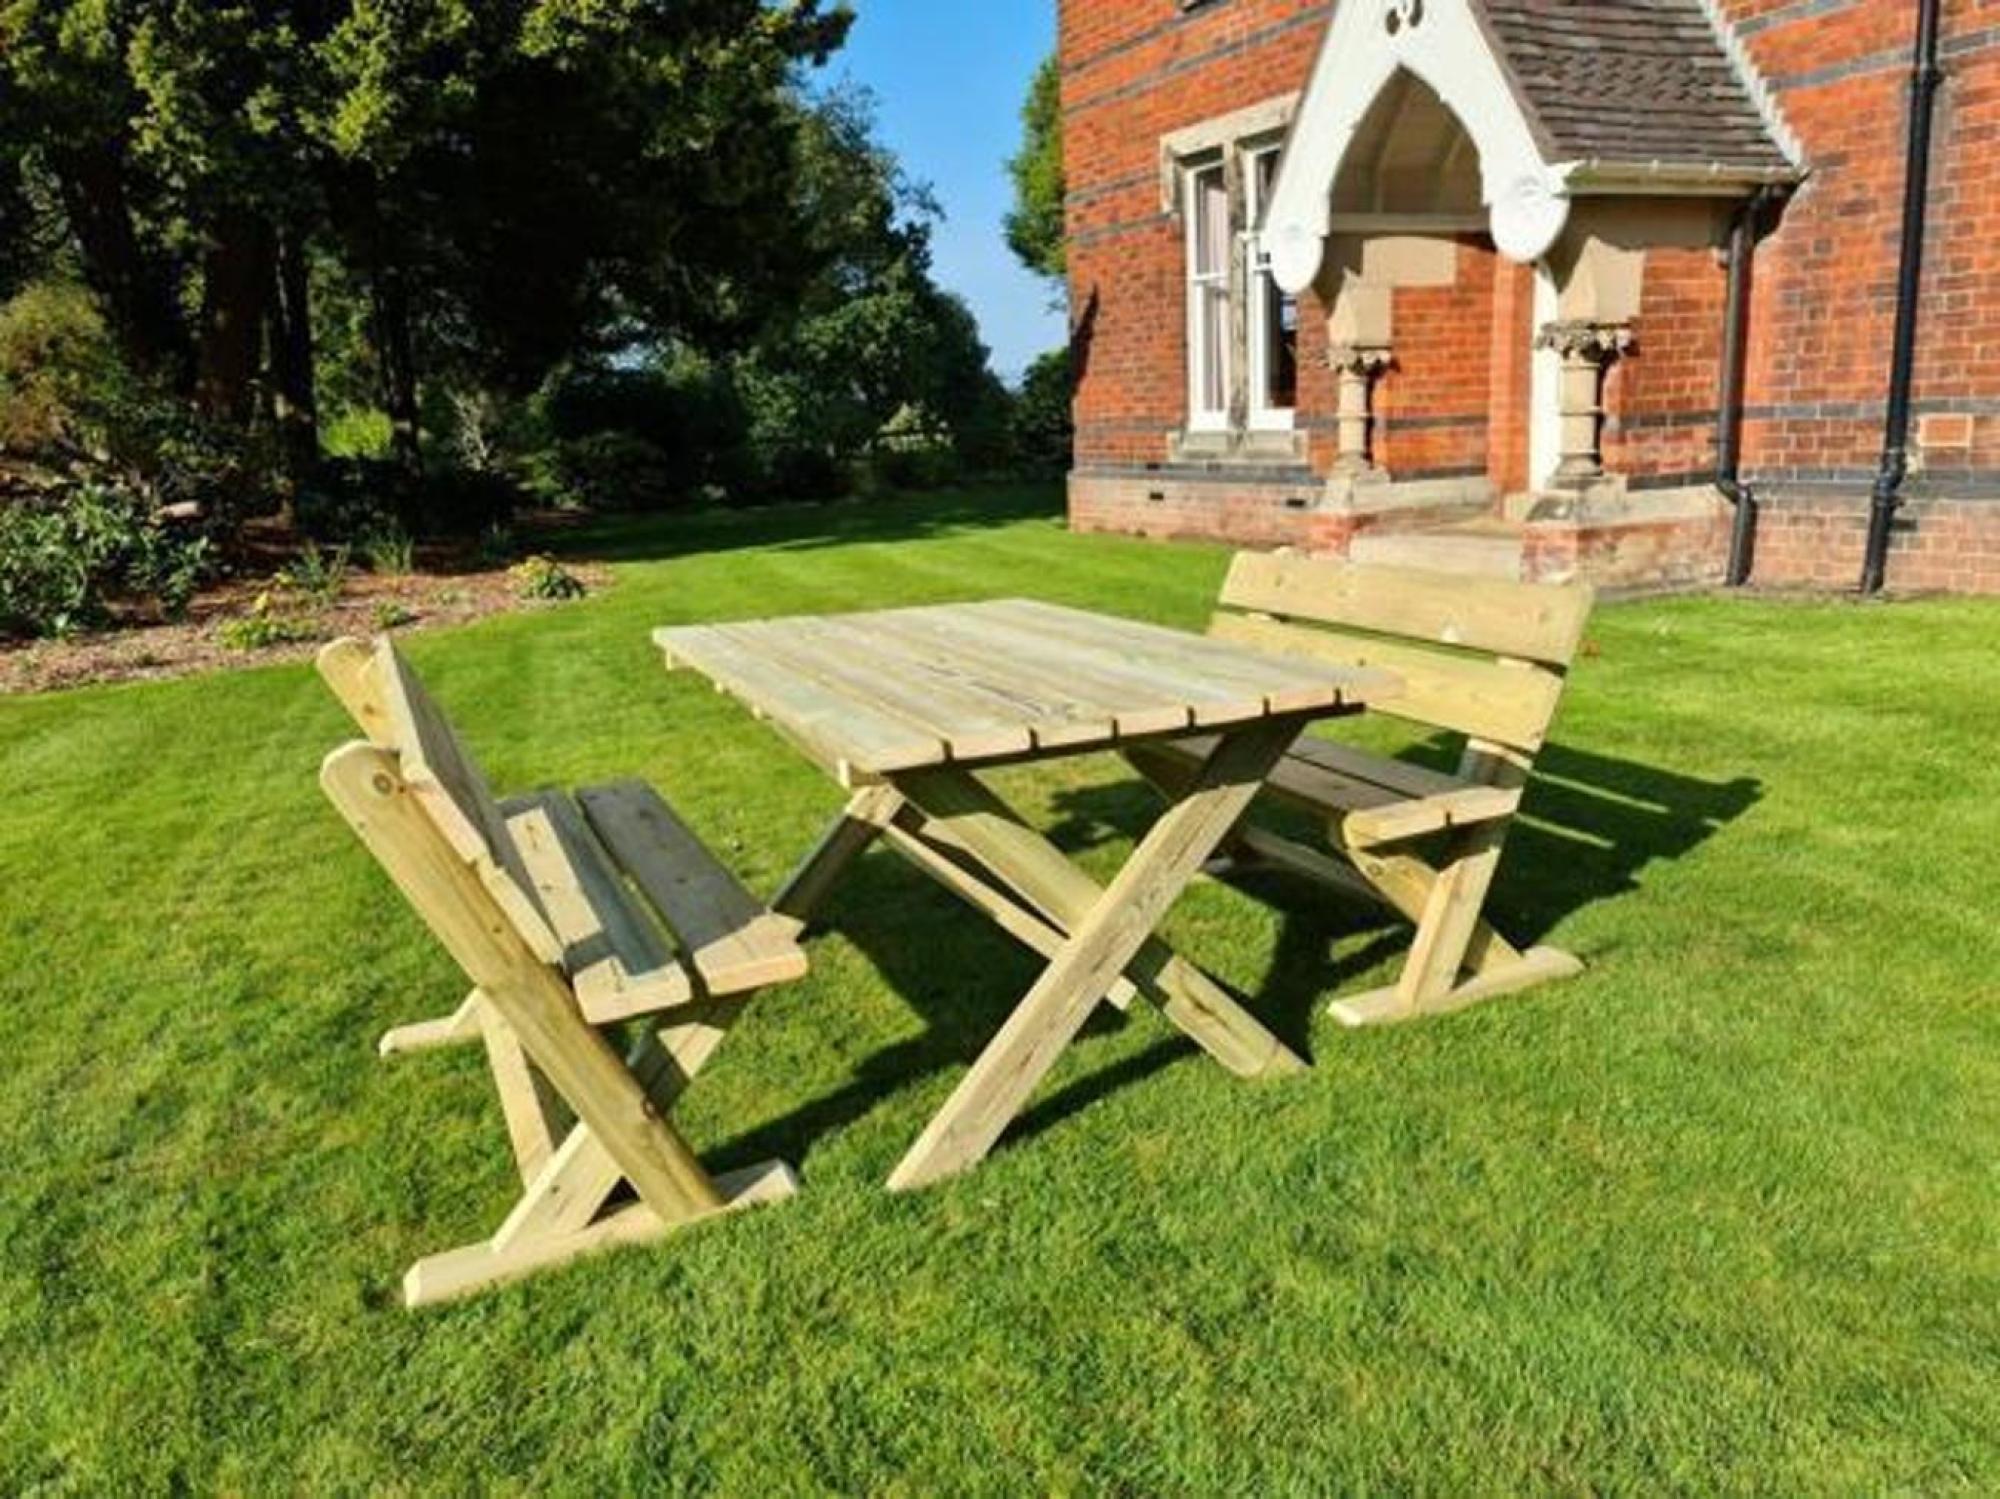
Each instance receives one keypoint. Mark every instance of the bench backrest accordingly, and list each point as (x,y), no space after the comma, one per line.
(1481,657)
(393,708)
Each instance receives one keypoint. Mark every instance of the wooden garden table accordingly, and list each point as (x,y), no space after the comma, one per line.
(905,706)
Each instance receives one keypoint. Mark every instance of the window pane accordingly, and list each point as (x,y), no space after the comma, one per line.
(1212,224)
(1274,336)
(1215,342)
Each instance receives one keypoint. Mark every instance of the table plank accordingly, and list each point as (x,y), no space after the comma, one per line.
(1053,687)
(851,664)
(1120,672)
(850,737)
(1196,663)
(976,722)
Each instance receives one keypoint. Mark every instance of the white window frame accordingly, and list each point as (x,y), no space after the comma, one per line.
(1261,287)
(1199,286)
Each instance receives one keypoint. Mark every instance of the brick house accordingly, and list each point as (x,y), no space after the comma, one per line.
(1454,280)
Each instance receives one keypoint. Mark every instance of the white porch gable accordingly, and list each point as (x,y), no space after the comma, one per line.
(1446,44)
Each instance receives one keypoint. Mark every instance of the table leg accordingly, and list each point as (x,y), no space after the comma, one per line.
(860,823)
(1104,941)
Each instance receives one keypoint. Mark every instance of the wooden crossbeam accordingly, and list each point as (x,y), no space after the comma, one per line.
(1103,943)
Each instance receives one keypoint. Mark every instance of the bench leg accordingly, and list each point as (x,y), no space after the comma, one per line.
(1457,958)
(1104,941)
(536,1116)
(477,1267)
(456,1029)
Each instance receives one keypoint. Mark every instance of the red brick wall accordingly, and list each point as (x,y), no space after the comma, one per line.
(1431,405)
(1660,399)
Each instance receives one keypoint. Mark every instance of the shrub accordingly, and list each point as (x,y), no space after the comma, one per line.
(68,555)
(71,409)
(390,553)
(273,620)
(391,614)
(611,471)
(544,580)
(1043,426)
(316,574)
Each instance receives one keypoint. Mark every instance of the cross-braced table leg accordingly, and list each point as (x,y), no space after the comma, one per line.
(1110,934)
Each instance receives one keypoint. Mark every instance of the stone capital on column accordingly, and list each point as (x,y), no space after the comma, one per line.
(1587,349)
(1356,365)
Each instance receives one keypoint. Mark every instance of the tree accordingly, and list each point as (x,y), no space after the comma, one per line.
(1035,225)
(509,181)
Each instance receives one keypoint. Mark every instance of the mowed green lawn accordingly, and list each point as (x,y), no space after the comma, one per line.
(1721,1216)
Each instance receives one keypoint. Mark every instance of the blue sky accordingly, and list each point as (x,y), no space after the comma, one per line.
(948,78)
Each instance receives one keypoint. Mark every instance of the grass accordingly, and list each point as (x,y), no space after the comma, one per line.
(1721,1216)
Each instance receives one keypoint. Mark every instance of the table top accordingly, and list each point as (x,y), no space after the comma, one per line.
(897,689)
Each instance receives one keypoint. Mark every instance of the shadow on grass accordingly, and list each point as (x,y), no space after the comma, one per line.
(1591,827)
(807,527)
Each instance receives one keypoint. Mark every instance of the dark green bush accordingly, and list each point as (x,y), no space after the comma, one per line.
(66,557)
(353,499)
(1043,425)
(611,471)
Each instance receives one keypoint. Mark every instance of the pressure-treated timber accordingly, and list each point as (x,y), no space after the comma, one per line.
(1100,946)
(905,706)
(1482,658)
(531,901)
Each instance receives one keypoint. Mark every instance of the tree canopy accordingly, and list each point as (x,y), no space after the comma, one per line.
(1035,224)
(508,183)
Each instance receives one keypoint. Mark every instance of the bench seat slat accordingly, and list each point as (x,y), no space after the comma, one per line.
(1355,786)
(729,939)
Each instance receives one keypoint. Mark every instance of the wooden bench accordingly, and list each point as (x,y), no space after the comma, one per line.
(1485,659)
(569,914)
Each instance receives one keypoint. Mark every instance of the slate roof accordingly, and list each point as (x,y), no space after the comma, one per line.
(1632,81)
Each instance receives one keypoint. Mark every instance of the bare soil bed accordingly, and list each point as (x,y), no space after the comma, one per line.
(447,585)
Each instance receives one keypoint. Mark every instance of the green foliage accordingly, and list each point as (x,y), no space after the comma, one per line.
(316,575)
(544,580)
(1044,426)
(357,432)
(392,614)
(274,618)
(60,374)
(389,553)
(68,555)
(1035,225)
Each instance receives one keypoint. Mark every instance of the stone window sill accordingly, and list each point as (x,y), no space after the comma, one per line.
(1278,449)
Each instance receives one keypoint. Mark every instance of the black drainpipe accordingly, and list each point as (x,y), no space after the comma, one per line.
(1729,414)
(1925,77)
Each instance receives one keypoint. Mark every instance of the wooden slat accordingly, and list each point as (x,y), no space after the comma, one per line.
(1193,664)
(1485,699)
(1370,813)
(921,643)
(858,666)
(1537,621)
(730,940)
(442,775)
(1381,770)
(853,741)
(1053,683)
